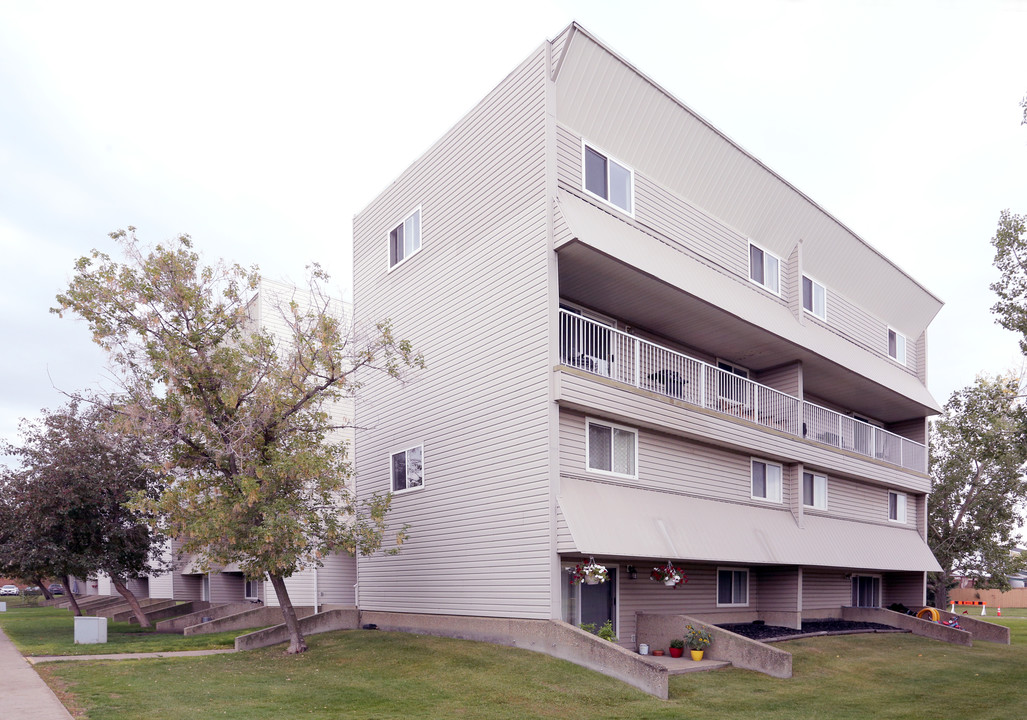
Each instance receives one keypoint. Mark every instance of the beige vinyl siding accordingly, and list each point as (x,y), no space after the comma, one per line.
(226,587)
(915,429)
(667,463)
(564,539)
(908,589)
(474,301)
(163,585)
(300,586)
(784,379)
(779,588)
(138,586)
(336,578)
(587,394)
(824,592)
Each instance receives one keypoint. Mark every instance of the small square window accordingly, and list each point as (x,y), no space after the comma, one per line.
(407,469)
(405,239)
(608,179)
(896,346)
(814,490)
(814,297)
(732,587)
(766,481)
(611,449)
(764,269)
(252,590)
(897,507)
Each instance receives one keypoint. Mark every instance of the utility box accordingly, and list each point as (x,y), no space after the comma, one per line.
(90,630)
(3,607)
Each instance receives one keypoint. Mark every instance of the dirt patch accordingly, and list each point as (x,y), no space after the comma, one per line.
(765,633)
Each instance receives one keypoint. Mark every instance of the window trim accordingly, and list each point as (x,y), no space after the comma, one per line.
(900,512)
(814,475)
(777,292)
(813,297)
(609,158)
(905,346)
(733,569)
(388,239)
(392,477)
(588,450)
(879,588)
(780,485)
(246,586)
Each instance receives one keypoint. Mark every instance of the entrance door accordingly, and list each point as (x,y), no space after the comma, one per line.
(598,602)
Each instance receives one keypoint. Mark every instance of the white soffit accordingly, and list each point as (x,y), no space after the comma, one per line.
(614,520)
(609,102)
(663,260)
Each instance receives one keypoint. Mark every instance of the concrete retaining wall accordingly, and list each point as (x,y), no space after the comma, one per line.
(980,629)
(915,625)
(124,612)
(658,630)
(551,637)
(328,621)
(172,611)
(257,617)
(180,623)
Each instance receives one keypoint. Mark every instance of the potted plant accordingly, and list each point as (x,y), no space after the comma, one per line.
(669,575)
(698,639)
(591,573)
(606,631)
(677,647)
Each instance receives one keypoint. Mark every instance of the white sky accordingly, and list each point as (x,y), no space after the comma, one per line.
(261,128)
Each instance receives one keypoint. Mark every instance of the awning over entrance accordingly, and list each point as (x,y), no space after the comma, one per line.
(618,521)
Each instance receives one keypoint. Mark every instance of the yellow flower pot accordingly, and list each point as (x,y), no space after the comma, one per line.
(697,655)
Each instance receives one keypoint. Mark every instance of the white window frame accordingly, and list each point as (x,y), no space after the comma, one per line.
(901,346)
(613,427)
(776,289)
(246,587)
(879,587)
(813,310)
(819,498)
(402,224)
(900,507)
(777,496)
(392,477)
(732,570)
(610,159)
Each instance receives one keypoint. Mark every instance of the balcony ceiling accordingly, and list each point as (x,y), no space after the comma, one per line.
(607,285)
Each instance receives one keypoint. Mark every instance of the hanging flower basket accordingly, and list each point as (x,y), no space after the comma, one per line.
(669,575)
(591,573)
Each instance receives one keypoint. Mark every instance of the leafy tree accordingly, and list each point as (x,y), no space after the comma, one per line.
(1010,244)
(979,488)
(256,474)
(77,474)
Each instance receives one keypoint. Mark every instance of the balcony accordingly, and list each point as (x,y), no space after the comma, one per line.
(604,351)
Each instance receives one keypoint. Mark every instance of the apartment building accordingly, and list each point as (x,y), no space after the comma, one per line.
(644,348)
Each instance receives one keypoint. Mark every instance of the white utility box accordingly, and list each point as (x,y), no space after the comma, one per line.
(90,630)
(3,607)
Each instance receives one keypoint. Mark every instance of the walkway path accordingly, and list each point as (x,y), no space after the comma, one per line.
(24,693)
(127,656)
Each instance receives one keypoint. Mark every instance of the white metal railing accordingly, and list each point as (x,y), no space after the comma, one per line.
(602,350)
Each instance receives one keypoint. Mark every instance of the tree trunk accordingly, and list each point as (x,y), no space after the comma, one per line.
(132,601)
(43,588)
(66,582)
(296,642)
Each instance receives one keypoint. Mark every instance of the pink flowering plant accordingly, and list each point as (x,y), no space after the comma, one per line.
(663,573)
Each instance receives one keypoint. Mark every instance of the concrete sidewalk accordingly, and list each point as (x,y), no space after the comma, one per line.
(24,693)
(127,656)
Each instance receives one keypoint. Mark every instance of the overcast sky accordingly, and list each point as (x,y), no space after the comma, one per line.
(261,128)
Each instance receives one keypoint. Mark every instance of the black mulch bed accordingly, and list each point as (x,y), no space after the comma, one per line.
(765,633)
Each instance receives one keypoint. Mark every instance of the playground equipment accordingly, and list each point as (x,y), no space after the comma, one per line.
(984,605)
(931,614)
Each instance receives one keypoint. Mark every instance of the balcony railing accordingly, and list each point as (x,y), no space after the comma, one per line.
(602,350)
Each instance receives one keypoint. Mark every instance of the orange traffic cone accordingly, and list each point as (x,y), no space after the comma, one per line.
(1000,612)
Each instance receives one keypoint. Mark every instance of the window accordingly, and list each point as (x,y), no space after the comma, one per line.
(252,590)
(866,591)
(407,469)
(608,179)
(814,490)
(897,507)
(896,346)
(611,448)
(729,386)
(766,481)
(405,239)
(732,587)
(764,269)
(814,297)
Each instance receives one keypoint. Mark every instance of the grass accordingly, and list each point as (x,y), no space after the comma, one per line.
(362,674)
(51,631)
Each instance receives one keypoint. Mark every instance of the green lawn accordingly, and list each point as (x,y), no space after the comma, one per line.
(51,631)
(365,674)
